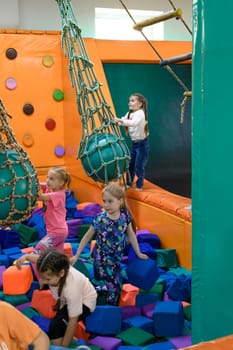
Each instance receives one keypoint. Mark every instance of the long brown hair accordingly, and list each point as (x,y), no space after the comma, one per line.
(143,101)
(53,261)
(118,192)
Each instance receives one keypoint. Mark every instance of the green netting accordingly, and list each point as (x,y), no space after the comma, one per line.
(18,178)
(103,151)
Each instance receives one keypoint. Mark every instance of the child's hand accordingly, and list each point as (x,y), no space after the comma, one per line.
(118,121)
(19,262)
(143,256)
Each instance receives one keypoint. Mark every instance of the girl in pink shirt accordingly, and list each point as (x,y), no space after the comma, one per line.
(54,201)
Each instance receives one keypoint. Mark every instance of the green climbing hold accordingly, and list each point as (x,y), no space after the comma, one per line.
(58,95)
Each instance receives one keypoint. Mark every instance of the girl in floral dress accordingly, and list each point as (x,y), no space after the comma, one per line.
(114,228)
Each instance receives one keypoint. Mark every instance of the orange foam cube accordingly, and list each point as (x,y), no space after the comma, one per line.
(27,250)
(17,281)
(43,302)
(92,245)
(80,332)
(128,295)
(68,249)
(82,205)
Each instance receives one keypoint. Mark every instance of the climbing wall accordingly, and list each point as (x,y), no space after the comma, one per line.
(32,88)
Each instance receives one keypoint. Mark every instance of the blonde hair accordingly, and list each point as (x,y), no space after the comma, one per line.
(62,175)
(118,192)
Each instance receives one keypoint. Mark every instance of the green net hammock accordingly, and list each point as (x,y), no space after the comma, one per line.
(19,184)
(103,151)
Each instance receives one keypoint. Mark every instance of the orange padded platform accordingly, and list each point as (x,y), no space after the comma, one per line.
(225,343)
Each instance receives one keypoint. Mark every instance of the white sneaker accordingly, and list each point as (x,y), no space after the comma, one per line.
(138,189)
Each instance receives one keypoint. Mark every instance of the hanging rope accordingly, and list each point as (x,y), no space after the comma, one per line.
(103,151)
(167,66)
(181,18)
(187,96)
(19,184)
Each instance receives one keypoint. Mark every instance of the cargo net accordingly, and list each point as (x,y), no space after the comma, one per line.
(19,185)
(103,151)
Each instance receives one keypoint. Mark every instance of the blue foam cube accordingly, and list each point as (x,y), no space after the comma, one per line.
(142,273)
(168,318)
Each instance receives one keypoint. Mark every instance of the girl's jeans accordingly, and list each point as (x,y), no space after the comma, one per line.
(138,161)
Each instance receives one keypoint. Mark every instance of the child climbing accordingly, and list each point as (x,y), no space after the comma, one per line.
(114,229)
(136,123)
(75,295)
(54,201)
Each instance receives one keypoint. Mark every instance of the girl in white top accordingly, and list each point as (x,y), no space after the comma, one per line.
(75,294)
(136,122)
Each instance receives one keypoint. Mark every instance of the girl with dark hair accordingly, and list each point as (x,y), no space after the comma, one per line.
(136,123)
(75,295)
(114,229)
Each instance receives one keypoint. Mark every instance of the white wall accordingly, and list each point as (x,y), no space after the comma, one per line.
(44,14)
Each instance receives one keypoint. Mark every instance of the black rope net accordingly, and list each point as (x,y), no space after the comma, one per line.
(103,151)
(19,184)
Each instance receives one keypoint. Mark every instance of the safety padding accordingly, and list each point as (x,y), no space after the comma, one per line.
(82,229)
(105,343)
(143,299)
(145,248)
(181,341)
(73,227)
(105,320)
(27,250)
(81,206)
(92,245)
(128,295)
(168,319)
(27,234)
(166,258)
(129,347)
(166,345)
(224,343)
(140,321)
(165,200)
(2,269)
(43,302)
(158,288)
(148,310)
(17,281)
(68,249)
(15,299)
(136,336)
(130,311)
(4,260)
(142,273)
(147,237)
(42,322)
(9,238)
(80,332)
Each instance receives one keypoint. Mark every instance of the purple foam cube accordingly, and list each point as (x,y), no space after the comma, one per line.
(182,341)
(106,343)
